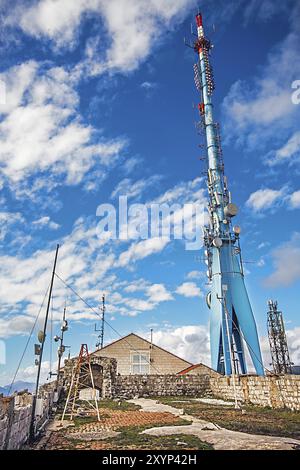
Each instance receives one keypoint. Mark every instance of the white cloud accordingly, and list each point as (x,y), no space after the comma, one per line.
(293,339)
(45,222)
(288,153)
(259,113)
(194,275)
(189,342)
(189,289)
(17,325)
(183,192)
(7,220)
(189,192)
(55,19)
(142,249)
(41,130)
(263,245)
(295,200)
(137,24)
(148,85)
(155,292)
(137,286)
(158,293)
(86,263)
(18,80)
(130,164)
(140,305)
(261,263)
(28,374)
(134,189)
(264,199)
(83,261)
(149,88)
(266,9)
(286,260)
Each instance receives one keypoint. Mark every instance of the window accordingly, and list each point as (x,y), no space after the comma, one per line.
(140,363)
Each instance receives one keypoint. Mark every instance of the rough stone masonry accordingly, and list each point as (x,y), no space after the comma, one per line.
(273,391)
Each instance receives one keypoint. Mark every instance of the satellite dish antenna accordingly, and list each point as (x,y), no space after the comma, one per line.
(217,242)
(231,210)
(41,336)
(208,299)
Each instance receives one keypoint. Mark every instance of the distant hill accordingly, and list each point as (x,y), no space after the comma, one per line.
(18,386)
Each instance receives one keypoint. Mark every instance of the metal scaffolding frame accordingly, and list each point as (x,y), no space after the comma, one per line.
(82,376)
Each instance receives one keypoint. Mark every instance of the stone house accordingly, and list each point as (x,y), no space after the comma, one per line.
(137,356)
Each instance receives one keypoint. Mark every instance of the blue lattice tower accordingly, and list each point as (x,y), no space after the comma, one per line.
(231,319)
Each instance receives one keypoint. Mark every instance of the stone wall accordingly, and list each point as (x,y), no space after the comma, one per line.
(16,414)
(104,374)
(272,391)
(15,419)
(130,386)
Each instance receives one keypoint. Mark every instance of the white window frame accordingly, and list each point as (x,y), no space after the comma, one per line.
(139,362)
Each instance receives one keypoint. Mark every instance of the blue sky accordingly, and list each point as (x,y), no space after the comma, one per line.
(98,103)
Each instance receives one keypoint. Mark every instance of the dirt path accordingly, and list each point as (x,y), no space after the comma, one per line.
(220,438)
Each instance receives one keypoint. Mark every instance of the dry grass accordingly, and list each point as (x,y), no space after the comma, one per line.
(253,420)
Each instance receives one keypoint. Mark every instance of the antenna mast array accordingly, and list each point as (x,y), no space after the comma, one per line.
(223,253)
(278,342)
(61,349)
(100,342)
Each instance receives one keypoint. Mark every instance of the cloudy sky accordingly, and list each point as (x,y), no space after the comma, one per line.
(96,101)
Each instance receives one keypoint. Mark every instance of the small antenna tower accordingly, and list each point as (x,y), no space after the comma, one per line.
(278,341)
(82,378)
(61,349)
(100,342)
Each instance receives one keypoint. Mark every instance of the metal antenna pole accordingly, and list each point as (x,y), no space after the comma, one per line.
(151,348)
(61,347)
(236,405)
(32,430)
(100,342)
(103,321)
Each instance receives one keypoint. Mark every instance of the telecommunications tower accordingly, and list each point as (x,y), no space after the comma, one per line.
(278,342)
(231,321)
